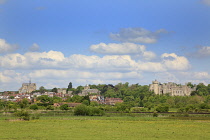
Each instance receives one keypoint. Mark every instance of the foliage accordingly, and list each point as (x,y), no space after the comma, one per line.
(84,110)
(49,107)
(162,108)
(23,115)
(24,103)
(42,89)
(55,90)
(44,99)
(11,97)
(64,107)
(155,114)
(94,103)
(85,102)
(34,107)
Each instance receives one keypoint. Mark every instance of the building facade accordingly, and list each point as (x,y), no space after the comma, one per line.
(172,88)
(27,87)
(86,91)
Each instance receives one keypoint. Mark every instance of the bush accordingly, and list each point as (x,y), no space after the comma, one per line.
(155,114)
(49,107)
(84,110)
(162,108)
(81,110)
(95,111)
(34,107)
(85,102)
(23,115)
(137,109)
(64,107)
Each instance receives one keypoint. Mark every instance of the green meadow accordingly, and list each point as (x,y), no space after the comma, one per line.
(106,128)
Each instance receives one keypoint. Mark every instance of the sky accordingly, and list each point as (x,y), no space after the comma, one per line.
(54,42)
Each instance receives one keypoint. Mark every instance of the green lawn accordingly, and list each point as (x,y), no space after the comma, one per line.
(104,128)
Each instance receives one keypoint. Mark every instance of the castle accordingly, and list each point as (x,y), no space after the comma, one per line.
(172,88)
(27,87)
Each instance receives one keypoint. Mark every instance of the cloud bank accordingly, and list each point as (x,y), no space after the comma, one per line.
(137,35)
(7,48)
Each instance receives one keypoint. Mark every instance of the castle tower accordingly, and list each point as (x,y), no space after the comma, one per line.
(156,86)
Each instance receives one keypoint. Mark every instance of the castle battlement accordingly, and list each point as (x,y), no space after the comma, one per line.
(171,88)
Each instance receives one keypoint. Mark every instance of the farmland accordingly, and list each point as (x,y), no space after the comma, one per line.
(106,127)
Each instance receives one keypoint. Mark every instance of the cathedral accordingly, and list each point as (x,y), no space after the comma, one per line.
(27,87)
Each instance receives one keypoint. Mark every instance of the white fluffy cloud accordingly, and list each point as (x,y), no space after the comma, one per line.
(113,48)
(174,62)
(123,49)
(7,48)
(207,2)
(55,69)
(35,47)
(137,35)
(56,60)
(31,60)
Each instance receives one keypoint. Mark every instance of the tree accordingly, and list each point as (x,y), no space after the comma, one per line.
(69,86)
(34,107)
(24,103)
(85,102)
(55,90)
(162,108)
(42,89)
(11,97)
(81,110)
(44,99)
(189,84)
(23,115)
(56,99)
(64,107)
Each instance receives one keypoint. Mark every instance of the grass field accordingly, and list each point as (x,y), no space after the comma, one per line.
(105,128)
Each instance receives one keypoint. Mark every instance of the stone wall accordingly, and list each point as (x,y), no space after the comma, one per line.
(171,88)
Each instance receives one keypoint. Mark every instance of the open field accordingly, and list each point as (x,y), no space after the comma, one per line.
(111,128)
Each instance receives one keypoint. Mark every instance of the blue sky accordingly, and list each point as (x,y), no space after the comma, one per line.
(54,42)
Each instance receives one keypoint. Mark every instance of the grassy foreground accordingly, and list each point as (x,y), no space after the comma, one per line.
(104,128)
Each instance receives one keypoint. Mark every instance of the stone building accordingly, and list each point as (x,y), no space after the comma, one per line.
(87,91)
(61,90)
(172,88)
(27,87)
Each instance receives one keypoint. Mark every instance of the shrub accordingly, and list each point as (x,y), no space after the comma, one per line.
(155,114)
(181,109)
(81,110)
(85,102)
(34,107)
(94,103)
(49,107)
(64,107)
(95,111)
(84,110)
(162,108)
(137,109)
(23,115)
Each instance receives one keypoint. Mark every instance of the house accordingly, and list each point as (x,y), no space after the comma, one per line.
(112,101)
(97,98)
